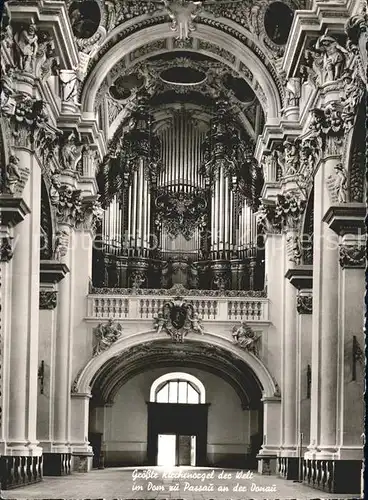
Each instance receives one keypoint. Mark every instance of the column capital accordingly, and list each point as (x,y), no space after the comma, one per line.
(346,218)
(12,210)
(52,271)
(300,276)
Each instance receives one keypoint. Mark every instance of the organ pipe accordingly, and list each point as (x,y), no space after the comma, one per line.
(181,154)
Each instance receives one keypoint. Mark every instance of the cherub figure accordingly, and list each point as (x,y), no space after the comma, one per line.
(182,16)
(196,323)
(159,322)
(26,45)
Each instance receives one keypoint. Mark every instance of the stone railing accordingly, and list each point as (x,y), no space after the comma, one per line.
(146,306)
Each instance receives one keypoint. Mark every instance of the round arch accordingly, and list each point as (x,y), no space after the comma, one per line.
(86,376)
(178,375)
(205,33)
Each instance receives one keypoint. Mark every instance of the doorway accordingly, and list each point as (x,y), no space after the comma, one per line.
(177,434)
(175,450)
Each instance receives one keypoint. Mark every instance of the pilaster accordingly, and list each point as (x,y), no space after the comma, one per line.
(301,277)
(347,221)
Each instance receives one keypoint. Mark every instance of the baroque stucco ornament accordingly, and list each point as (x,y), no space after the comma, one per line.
(106,335)
(6,249)
(352,256)
(246,338)
(48,299)
(178,318)
(337,185)
(182,14)
(304,304)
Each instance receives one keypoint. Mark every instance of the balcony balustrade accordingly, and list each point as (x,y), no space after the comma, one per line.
(144,304)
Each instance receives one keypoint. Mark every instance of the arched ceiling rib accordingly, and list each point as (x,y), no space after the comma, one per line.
(117,371)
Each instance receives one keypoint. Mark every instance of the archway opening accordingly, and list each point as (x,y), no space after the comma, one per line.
(204,396)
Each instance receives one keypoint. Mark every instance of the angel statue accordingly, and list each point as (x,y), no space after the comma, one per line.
(182,16)
(245,338)
(106,335)
(159,322)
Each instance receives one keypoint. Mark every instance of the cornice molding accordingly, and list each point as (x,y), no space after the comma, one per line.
(12,210)
(52,271)
(301,277)
(346,218)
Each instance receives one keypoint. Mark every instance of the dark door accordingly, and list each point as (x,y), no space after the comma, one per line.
(183,420)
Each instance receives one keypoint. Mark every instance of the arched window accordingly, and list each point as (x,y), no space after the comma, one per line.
(178,387)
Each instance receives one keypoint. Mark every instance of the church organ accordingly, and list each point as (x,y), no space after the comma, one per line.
(180,196)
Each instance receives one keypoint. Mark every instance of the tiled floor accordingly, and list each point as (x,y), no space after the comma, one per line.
(117,483)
